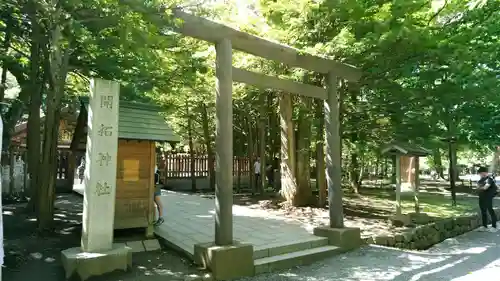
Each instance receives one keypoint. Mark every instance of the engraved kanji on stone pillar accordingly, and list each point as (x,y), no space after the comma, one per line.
(100,168)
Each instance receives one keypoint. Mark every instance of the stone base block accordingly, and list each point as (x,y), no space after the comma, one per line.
(151,245)
(85,265)
(135,246)
(401,220)
(225,262)
(346,238)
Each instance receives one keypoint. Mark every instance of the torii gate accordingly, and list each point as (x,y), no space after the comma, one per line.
(224,250)
(226,39)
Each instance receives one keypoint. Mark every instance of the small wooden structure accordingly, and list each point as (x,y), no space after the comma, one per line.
(139,128)
(66,128)
(64,176)
(407,169)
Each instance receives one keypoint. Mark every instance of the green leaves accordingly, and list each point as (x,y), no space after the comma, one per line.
(424,67)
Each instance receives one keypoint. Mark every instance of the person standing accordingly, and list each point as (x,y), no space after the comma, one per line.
(271,171)
(157,198)
(256,171)
(81,170)
(487,189)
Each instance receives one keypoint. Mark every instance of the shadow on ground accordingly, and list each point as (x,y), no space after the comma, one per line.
(31,257)
(466,258)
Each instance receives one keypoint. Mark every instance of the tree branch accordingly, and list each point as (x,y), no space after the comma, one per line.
(438,12)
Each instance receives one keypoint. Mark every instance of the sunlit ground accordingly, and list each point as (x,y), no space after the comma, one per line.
(469,257)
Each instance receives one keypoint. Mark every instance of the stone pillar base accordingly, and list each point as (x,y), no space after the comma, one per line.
(85,265)
(346,238)
(225,262)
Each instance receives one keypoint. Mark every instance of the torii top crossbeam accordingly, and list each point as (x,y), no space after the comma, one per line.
(207,30)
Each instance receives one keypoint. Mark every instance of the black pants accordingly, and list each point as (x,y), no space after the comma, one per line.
(486,206)
(257,180)
(270,177)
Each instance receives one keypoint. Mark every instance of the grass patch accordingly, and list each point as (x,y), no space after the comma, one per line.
(433,204)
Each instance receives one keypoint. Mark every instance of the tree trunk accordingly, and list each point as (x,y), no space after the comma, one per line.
(250,155)
(191,149)
(240,164)
(5,49)
(352,90)
(47,178)
(320,155)
(354,172)
(208,144)
(378,167)
(438,163)
(452,156)
(393,172)
(35,102)
(303,173)
(56,66)
(262,143)
(274,130)
(288,179)
(385,168)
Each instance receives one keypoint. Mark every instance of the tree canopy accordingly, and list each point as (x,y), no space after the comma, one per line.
(430,68)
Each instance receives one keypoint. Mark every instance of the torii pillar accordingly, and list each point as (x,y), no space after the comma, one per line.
(224,249)
(338,235)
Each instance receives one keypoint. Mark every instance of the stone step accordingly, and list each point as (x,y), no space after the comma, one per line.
(289,260)
(281,248)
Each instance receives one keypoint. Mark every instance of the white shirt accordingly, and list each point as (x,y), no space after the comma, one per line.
(256,167)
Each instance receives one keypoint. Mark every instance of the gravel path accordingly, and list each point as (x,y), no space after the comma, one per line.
(465,258)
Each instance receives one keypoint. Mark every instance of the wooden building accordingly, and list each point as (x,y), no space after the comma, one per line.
(140,127)
(66,128)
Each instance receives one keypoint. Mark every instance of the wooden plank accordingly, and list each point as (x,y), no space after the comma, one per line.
(151,189)
(268,82)
(131,213)
(132,189)
(214,32)
(132,207)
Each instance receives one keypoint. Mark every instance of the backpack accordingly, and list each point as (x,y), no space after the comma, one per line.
(157,178)
(494,186)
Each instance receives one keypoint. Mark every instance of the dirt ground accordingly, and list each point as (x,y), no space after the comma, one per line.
(30,257)
(370,210)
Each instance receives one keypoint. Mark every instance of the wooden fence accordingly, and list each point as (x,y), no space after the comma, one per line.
(179,165)
(14,169)
(15,179)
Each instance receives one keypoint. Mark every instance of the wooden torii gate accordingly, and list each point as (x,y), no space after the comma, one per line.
(226,39)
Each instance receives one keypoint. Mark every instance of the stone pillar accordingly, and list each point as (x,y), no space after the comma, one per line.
(333,154)
(398,185)
(224,144)
(100,166)
(97,254)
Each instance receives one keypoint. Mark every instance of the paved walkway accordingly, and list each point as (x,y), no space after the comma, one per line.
(189,220)
(469,257)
